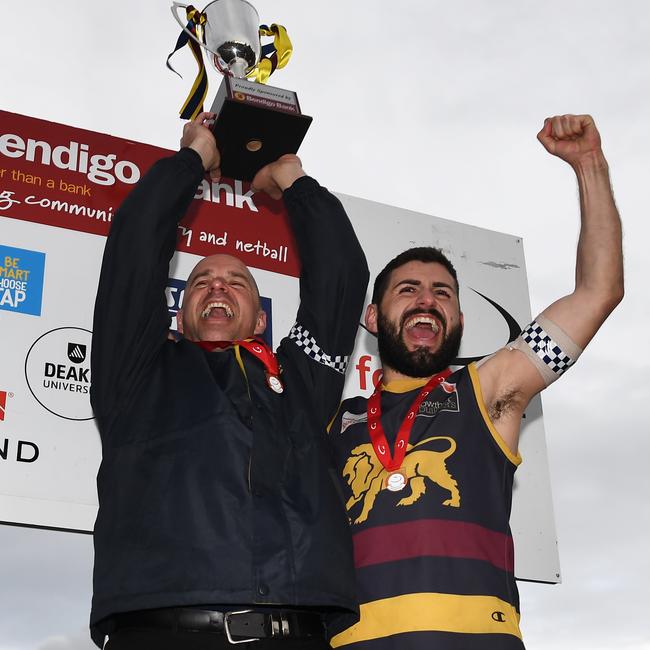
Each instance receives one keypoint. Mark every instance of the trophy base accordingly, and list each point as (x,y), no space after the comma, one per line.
(254,125)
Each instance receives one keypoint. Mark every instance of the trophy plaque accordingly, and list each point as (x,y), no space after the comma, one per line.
(254,123)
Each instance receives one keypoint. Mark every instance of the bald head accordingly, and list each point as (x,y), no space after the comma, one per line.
(221,260)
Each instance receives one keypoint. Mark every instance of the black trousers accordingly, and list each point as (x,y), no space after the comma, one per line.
(133,638)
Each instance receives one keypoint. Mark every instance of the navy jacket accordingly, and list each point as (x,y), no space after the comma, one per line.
(214,490)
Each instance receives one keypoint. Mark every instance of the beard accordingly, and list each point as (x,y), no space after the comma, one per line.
(420,362)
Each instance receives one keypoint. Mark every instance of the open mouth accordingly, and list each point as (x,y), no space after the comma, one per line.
(217,310)
(423,322)
(422,328)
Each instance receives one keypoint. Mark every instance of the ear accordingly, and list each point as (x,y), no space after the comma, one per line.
(179,321)
(462,322)
(260,324)
(371,318)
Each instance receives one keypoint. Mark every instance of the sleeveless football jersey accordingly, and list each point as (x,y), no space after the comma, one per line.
(432,542)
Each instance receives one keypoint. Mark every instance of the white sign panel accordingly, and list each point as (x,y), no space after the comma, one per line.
(55,211)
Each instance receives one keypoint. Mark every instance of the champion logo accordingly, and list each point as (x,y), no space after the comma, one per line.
(3,404)
(499,617)
(76,352)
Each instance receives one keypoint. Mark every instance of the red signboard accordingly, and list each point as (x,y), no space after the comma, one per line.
(67,177)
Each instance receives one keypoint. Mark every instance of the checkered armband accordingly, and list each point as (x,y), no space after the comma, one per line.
(303,339)
(548,347)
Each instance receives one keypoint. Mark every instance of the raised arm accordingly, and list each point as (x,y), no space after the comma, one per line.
(510,379)
(599,260)
(333,281)
(131,318)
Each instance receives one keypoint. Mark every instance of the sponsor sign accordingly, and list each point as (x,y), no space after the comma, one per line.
(60,189)
(431,407)
(57,371)
(71,178)
(3,404)
(21,280)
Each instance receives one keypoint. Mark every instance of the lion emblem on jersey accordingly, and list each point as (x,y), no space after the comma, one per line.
(366,476)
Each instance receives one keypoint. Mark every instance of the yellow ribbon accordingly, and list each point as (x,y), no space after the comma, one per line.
(281,56)
(195,15)
(194,103)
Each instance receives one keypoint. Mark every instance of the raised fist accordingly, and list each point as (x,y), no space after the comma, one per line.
(572,138)
(277,176)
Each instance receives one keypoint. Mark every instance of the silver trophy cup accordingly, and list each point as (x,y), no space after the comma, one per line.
(230,35)
(255,123)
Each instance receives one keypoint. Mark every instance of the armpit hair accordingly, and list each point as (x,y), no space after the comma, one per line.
(504,405)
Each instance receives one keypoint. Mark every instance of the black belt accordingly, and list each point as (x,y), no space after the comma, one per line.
(239,626)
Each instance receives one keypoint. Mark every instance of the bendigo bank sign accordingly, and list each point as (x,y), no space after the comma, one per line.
(60,184)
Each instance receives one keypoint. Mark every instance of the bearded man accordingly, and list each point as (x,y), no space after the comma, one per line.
(427,463)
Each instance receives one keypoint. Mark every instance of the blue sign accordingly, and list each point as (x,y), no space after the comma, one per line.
(22,273)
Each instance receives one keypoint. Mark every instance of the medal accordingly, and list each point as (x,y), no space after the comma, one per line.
(396,480)
(261,351)
(274,383)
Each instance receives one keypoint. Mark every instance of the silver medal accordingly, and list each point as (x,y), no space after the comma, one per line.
(275,384)
(396,482)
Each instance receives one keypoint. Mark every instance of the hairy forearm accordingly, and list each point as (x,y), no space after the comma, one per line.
(599,263)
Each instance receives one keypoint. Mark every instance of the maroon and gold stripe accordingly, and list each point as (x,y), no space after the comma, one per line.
(423,612)
(433,538)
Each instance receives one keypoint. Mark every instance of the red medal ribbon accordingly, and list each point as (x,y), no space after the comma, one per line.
(379,442)
(258,349)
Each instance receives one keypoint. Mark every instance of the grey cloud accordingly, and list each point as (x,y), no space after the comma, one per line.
(79,641)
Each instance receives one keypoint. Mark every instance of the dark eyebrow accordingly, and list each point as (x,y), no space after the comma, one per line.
(444,285)
(417,283)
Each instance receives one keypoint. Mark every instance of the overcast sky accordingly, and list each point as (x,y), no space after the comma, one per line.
(431,106)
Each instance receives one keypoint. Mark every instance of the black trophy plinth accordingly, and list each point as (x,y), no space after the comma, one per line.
(255,124)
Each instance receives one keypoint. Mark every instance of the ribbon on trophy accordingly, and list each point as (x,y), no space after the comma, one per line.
(194,103)
(274,55)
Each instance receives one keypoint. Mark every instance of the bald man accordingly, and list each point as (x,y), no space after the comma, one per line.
(219,518)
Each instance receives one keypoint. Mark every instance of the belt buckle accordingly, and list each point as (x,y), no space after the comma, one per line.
(279,625)
(226,626)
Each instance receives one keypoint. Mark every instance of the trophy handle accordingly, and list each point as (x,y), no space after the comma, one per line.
(179,5)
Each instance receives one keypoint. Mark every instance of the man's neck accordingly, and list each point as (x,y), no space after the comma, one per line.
(390,375)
